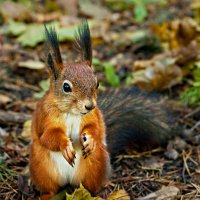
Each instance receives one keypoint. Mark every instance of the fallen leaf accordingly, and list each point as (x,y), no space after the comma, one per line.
(177,33)
(15,28)
(165,193)
(60,196)
(196,7)
(195,178)
(33,35)
(69,6)
(161,72)
(119,195)
(81,194)
(32,64)
(153,163)
(111,75)
(140,11)
(4,99)
(88,8)
(14,10)
(26,132)
(3,133)
(44,84)
(66,33)
(172,154)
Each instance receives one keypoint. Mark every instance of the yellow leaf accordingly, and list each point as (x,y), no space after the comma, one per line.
(26,132)
(81,194)
(177,33)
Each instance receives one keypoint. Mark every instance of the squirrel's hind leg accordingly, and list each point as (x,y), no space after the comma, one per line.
(95,169)
(43,172)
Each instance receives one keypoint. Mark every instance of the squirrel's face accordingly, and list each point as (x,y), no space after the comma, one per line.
(74,85)
(75,89)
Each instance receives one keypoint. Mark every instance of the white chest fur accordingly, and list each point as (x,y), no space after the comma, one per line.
(73,123)
(67,173)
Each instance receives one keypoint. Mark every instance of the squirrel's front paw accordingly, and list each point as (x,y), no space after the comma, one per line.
(88,143)
(68,152)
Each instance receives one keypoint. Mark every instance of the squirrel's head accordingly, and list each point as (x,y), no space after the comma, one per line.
(72,85)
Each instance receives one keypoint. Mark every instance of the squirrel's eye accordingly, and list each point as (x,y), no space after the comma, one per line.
(97,85)
(66,87)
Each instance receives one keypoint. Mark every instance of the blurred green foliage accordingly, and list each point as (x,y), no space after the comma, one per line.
(109,70)
(140,6)
(191,96)
(44,84)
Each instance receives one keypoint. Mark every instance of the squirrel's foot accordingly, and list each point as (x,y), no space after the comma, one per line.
(88,143)
(68,152)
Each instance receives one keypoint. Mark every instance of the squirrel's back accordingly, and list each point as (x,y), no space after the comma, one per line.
(135,120)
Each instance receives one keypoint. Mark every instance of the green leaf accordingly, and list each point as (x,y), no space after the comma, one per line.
(138,36)
(66,33)
(129,79)
(16,28)
(197,64)
(60,196)
(191,96)
(80,194)
(110,74)
(45,86)
(33,34)
(196,74)
(196,84)
(140,12)
(96,61)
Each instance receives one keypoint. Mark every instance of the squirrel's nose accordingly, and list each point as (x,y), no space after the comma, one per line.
(89,106)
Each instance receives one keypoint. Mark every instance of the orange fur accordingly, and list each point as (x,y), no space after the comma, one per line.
(68,133)
(48,132)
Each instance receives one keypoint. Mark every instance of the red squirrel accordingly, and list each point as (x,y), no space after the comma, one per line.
(69,144)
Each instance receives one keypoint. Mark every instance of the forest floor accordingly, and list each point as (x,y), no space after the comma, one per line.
(154,46)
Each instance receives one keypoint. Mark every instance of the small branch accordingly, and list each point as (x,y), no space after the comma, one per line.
(10,117)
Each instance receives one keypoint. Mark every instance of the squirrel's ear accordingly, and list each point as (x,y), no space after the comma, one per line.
(53,55)
(83,42)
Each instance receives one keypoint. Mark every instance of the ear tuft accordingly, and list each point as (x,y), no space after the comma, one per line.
(83,42)
(51,65)
(52,43)
(53,55)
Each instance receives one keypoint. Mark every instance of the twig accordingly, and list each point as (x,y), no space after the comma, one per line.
(192,113)
(11,117)
(185,166)
(21,83)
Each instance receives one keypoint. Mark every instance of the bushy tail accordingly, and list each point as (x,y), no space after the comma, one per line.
(135,120)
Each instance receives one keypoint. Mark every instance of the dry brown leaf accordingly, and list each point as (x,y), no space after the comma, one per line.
(165,193)
(177,33)
(4,99)
(119,195)
(159,73)
(12,10)
(69,6)
(153,163)
(88,8)
(32,64)
(165,70)
(195,178)
(3,133)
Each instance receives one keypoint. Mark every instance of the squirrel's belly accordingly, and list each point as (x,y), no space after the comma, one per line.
(66,173)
